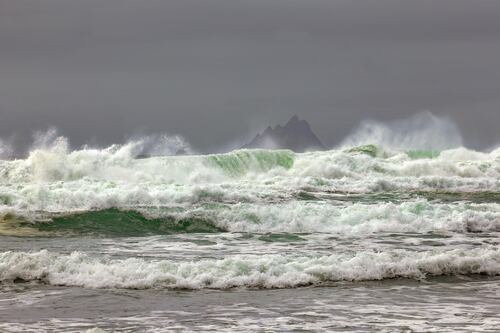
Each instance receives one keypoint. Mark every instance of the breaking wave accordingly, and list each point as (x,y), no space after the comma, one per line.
(353,220)
(260,181)
(119,163)
(119,223)
(264,271)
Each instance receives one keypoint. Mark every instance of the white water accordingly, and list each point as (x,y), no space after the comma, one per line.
(57,180)
(118,163)
(353,219)
(264,271)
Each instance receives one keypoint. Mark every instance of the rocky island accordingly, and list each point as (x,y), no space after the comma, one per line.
(296,135)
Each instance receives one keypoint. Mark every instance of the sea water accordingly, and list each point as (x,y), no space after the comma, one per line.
(360,238)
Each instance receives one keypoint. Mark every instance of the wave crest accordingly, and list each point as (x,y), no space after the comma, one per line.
(264,271)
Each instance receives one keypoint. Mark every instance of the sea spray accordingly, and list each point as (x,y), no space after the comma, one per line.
(6,150)
(160,145)
(423,131)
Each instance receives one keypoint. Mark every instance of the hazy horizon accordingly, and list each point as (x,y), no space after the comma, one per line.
(218,72)
(423,130)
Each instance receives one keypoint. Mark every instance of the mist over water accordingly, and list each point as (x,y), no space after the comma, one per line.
(424,131)
(52,141)
(161,145)
(6,150)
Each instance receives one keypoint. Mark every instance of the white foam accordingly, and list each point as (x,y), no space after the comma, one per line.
(355,219)
(264,271)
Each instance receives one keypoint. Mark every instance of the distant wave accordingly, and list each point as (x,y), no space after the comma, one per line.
(117,163)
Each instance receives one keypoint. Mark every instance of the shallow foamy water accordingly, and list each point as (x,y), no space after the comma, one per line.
(439,305)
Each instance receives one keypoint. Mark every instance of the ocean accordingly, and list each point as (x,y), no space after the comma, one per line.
(358,239)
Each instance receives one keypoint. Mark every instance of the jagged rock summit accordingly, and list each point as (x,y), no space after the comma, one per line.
(296,135)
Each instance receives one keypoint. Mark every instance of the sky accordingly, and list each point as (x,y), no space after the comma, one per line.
(218,71)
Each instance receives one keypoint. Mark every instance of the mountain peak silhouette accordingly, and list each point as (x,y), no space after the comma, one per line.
(296,135)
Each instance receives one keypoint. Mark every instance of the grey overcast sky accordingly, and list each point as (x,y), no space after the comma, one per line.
(217,71)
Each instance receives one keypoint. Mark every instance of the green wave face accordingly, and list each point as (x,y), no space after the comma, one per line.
(370,150)
(119,223)
(240,162)
(422,154)
(374,151)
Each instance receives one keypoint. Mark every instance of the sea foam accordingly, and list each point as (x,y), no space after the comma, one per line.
(264,271)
